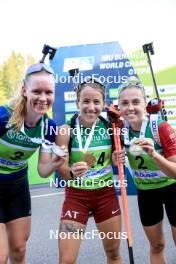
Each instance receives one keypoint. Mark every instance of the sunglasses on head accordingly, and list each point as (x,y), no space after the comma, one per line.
(131,82)
(38,67)
(89,81)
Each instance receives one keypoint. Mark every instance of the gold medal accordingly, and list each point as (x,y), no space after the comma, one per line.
(89,159)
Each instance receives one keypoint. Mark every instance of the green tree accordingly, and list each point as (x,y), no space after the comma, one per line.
(2,96)
(12,72)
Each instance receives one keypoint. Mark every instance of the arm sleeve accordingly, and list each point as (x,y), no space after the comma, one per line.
(168,139)
(50,135)
(51,131)
(4,117)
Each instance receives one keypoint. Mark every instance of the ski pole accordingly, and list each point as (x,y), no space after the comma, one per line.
(148,49)
(47,50)
(114,116)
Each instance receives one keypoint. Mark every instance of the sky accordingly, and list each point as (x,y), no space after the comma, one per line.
(25,26)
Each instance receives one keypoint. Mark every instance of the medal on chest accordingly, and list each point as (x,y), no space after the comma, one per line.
(87,157)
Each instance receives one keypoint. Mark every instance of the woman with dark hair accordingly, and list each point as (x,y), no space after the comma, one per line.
(88,170)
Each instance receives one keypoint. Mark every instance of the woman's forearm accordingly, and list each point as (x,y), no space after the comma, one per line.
(166,166)
(65,172)
(49,165)
(45,170)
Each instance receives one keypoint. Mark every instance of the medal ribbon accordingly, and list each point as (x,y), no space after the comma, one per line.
(44,142)
(141,134)
(88,141)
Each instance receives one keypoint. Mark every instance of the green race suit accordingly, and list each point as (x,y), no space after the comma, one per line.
(101,174)
(16,147)
(146,173)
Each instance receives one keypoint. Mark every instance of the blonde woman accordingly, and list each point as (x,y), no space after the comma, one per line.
(24,127)
(153,164)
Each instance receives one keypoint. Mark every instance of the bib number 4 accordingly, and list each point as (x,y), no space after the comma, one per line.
(101,159)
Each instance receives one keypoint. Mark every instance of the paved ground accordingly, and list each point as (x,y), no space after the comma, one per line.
(42,246)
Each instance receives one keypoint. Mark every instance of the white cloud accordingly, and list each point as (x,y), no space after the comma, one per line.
(27,25)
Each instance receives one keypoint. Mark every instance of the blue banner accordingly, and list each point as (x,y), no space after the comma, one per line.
(105,61)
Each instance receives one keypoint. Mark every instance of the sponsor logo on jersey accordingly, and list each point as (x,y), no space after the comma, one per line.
(11,134)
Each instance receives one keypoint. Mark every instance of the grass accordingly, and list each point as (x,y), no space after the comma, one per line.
(33,175)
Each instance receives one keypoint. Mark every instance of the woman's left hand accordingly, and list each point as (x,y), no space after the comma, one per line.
(58,160)
(118,156)
(147,144)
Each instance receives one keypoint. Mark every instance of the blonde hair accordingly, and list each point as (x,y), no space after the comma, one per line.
(132,82)
(18,103)
(18,107)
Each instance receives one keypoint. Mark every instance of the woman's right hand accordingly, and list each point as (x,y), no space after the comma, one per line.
(118,156)
(79,169)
